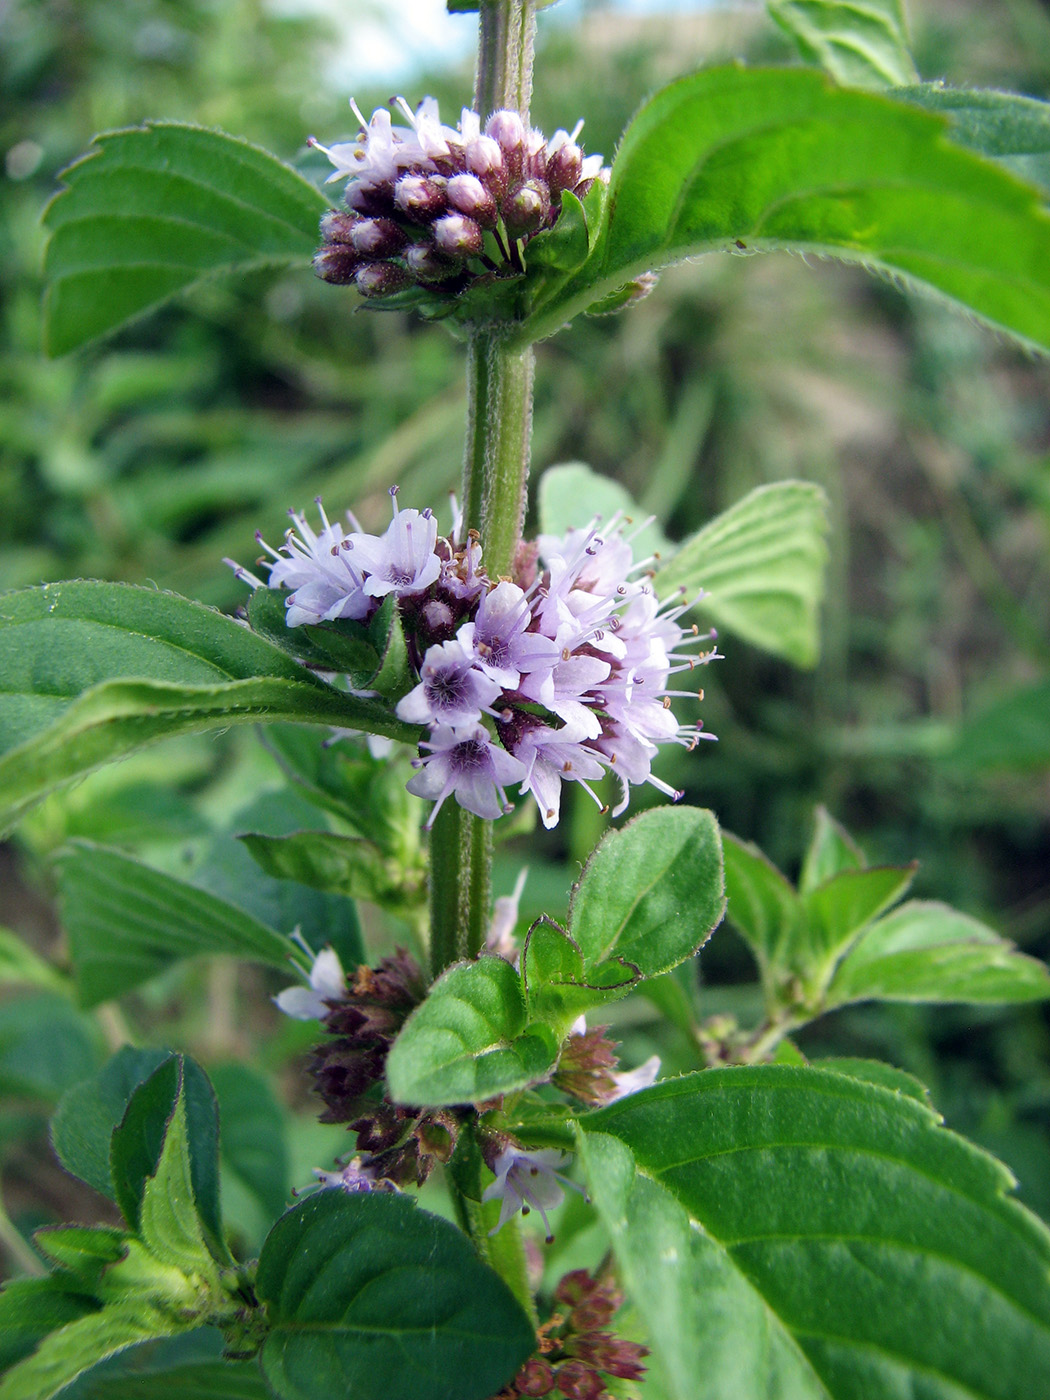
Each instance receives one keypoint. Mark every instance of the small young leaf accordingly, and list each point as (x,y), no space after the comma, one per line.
(565,246)
(332,646)
(30,1308)
(83,1250)
(651,892)
(779,158)
(151,211)
(762,906)
(861,43)
(90,672)
(178,1088)
(926,951)
(371,1297)
(83,1123)
(885,1247)
(169,1223)
(831,851)
(557,987)
(469,1040)
(127,922)
(761,566)
(837,910)
(67,1353)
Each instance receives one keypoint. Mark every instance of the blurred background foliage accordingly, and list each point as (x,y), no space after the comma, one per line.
(925,727)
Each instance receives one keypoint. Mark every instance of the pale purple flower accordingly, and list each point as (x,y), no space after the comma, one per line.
(451,690)
(630,1081)
(318,568)
(465,761)
(528,1181)
(353,1178)
(327,983)
(501,643)
(499,939)
(551,757)
(401,561)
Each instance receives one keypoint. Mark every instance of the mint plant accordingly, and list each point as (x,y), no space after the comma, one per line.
(760,1226)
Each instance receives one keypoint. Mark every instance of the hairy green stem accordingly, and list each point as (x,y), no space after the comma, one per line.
(495,471)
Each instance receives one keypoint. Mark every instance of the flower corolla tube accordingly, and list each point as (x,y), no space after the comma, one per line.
(560,674)
(439,207)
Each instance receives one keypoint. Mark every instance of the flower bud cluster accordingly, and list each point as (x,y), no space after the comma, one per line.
(560,674)
(577,1354)
(396,1145)
(438,206)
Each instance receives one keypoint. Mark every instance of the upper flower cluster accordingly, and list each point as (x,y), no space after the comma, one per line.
(559,674)
(440,206)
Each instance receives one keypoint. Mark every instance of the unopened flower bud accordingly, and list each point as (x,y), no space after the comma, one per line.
(337,227)
(377,238)
(577,1381)
(485,159)
(374,201)
(536,1377)
(534,166)
(427,263)
(565,167)
(468,195)
(380,279)
(526,208)
(508,130)
(336,263)
(420,197)
(458,236)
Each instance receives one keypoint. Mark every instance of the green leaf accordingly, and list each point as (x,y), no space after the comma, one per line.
(652,892)
(20,966)
(82,1125)
(991,123)
(67,1353)
(898,1081)
(556,985)
(761,904)
(30,1308)
(711,1334)
(831,851)
(208,1380)
(837,910)
(925,951)
(371,1297)
(469,1040)
(861,43)
(333,646)
(45,1046)
(84,1251)
(1012,733)
(780,159)
(761,566)
(151,211)
(325,860)
(178,1089)
(127,922)
(90,672)
(880,1246)
(254,1135)
(170,1222)
(571,495)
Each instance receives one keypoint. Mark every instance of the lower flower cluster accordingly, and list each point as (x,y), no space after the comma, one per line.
(560,673)
(577,1354)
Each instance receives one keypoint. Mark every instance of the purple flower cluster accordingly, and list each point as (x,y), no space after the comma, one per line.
(441,206)
(558,675)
